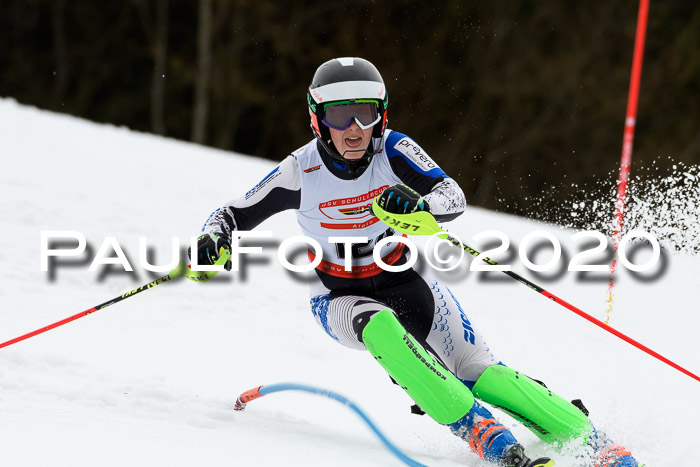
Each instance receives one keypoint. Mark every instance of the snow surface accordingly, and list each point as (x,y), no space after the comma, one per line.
(152,380)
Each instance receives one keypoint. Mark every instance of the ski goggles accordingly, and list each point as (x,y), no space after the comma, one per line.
(340,115)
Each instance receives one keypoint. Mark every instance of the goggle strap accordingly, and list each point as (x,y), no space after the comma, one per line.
(354,101)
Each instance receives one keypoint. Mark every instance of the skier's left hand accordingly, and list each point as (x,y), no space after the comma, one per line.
(401,199)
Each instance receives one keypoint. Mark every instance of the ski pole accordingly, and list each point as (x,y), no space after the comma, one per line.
(423,223)
(627,142)
(182,270)
(260,391)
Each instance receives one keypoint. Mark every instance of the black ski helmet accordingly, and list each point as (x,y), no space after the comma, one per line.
(347,79)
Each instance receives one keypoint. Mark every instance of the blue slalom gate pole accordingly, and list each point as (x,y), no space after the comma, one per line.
(260,391)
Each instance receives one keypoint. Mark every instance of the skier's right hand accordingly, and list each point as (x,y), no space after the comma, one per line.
(402,199)
(209,247)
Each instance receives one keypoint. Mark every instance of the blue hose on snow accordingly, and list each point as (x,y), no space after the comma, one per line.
(260,391)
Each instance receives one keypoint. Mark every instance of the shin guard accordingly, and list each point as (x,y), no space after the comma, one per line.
(549,416)
(437,391)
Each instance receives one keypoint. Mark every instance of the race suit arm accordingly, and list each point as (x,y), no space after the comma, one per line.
(417,170)
(278,191)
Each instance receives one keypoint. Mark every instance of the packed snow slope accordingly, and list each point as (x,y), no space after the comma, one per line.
(152,380)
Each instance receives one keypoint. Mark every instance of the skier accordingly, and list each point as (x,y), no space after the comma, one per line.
(411,323)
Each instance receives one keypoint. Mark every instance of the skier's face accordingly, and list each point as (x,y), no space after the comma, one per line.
(351,142)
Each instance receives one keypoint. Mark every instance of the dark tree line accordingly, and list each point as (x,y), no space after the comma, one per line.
(511,97)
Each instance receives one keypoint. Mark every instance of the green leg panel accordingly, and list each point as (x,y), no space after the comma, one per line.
(437,391)
(551,417)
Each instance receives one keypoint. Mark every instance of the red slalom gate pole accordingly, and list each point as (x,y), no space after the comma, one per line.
(627,142)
